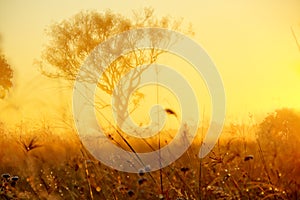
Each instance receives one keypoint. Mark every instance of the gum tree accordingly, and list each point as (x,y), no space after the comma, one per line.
(73,39)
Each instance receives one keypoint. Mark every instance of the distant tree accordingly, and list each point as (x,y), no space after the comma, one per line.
(280,129)
(73,39)
(278,139)
(6,74)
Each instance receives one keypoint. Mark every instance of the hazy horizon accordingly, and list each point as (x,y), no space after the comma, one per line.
(251,44)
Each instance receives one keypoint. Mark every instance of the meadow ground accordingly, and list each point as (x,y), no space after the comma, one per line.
(39,164)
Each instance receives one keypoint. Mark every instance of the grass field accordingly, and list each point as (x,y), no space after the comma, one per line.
(37,163)
(121,66)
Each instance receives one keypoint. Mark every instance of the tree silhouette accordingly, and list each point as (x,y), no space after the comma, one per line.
(73,39)
(280,130)
(6,74)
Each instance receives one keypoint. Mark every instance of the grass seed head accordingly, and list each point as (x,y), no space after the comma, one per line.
(141,172)
(184,169)
(147,168)
(6,176)
(130,193)
(15,178)
(142,180)
(248,157)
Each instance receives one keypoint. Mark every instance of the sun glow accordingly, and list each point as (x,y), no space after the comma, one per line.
(251,45)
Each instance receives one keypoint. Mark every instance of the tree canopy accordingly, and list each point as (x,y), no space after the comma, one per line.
(280,129)
(73,39)
(6,74)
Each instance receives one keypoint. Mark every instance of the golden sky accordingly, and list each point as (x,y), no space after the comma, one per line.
(251,43)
